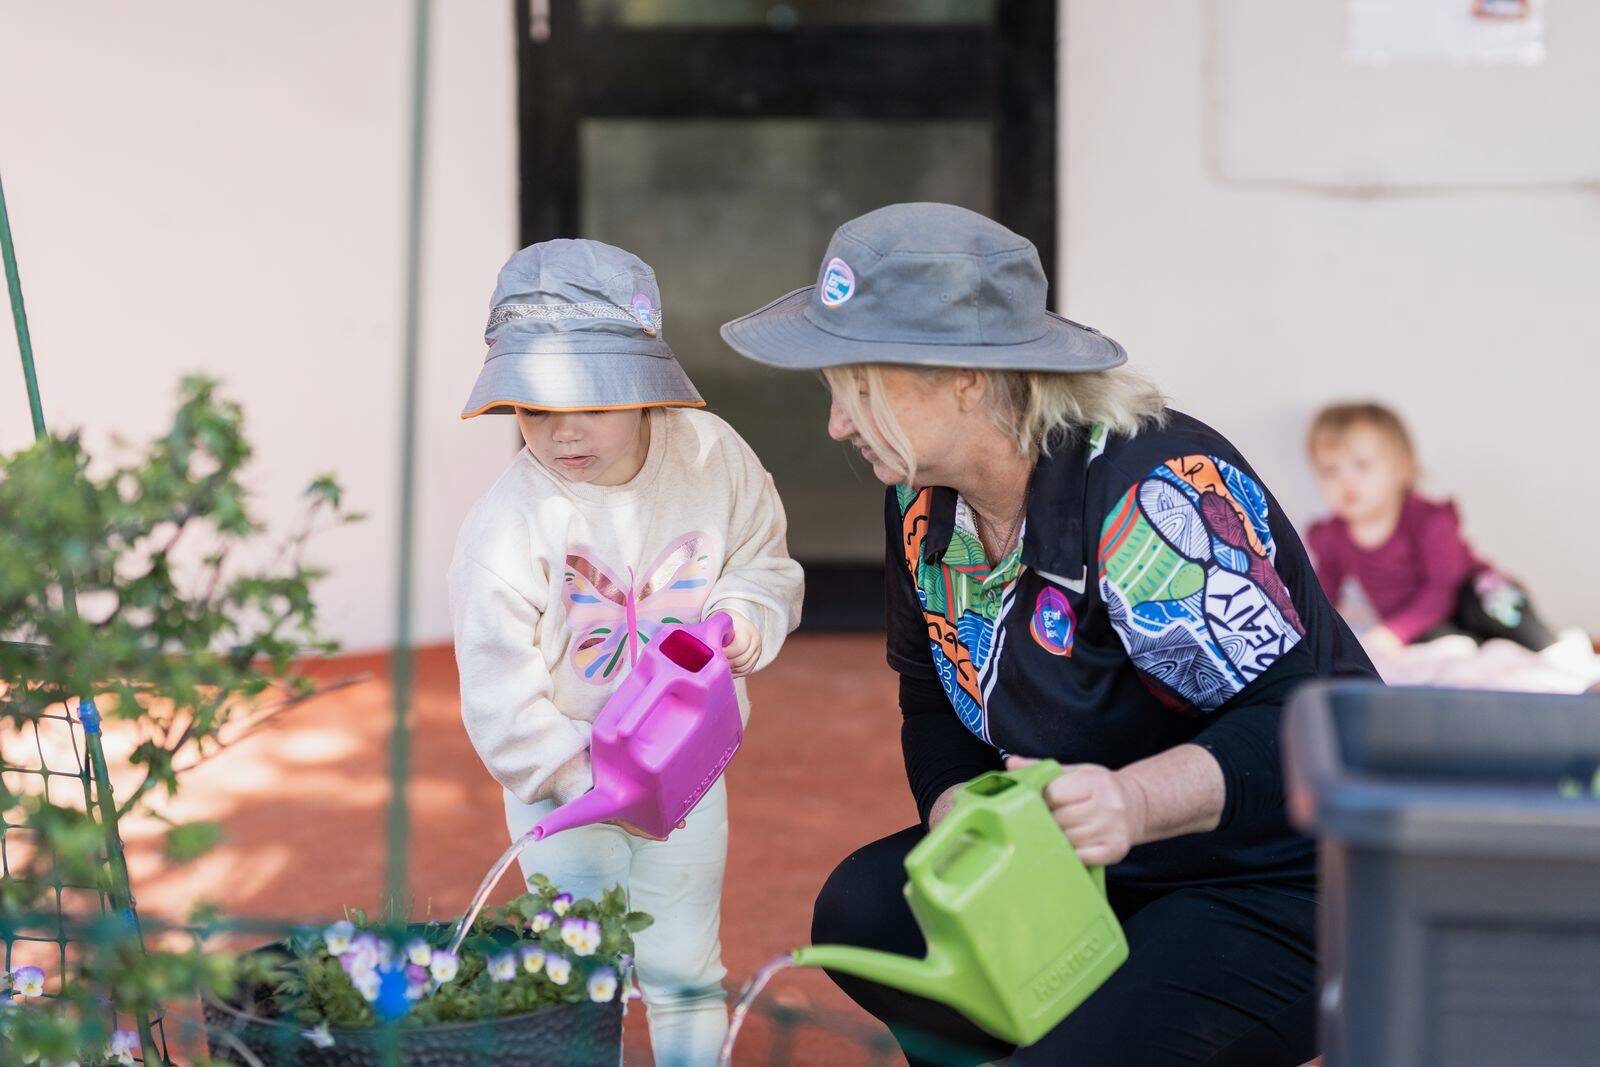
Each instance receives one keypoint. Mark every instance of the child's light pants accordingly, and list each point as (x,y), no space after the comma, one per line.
(679,881)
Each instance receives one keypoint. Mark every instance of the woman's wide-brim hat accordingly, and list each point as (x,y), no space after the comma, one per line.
(927,285)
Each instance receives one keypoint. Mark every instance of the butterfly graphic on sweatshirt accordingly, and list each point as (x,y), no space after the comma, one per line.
(613,616)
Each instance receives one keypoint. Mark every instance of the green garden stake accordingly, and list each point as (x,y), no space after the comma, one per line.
(1019,932)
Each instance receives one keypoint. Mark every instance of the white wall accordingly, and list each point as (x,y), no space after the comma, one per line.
(1471,309)
(219,186)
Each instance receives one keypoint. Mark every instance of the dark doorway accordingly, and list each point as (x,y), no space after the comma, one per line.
(724,140)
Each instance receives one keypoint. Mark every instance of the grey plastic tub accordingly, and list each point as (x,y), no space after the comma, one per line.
(1460,919)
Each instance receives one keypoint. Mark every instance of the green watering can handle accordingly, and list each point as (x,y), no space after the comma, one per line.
(1037,776)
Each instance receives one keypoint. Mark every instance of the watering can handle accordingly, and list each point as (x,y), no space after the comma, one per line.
(719,628)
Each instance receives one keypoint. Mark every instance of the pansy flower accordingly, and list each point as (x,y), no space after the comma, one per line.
(124,1043)
(362,956)
(419,952)
(561,903)
(602,985)
(558,967)
(443,966)
(337,937)
(503,967)
(542,921)
(368,984)
(581,935)
(29,981)
(320,1037)
(416,981)
(532,959)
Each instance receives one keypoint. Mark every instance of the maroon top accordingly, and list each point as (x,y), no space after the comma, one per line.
(1412,578)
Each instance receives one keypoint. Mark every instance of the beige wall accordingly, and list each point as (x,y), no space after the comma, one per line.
(1472,309)
(219,186)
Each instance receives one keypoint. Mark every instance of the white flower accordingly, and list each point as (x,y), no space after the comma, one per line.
(602,985)
(419,952)
(362,955)
(581,935)
(503,968)
(542,922)
(29,981)
(559,968)
(337,937)
(367,983)
(561,903)
(124,1043)
(443,966)
(532,959)
(319,1037)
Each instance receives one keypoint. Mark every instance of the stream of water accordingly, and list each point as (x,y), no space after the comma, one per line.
(752,990)
(490,880)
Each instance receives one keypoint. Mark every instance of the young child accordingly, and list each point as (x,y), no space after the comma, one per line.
(1405,551)
(627,510)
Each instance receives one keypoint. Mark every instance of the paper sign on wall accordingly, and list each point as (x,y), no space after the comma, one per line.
(1445,31)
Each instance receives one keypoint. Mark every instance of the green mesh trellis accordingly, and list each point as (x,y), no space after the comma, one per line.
(89,770)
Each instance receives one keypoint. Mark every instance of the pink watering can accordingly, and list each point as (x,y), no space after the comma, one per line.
(664,736)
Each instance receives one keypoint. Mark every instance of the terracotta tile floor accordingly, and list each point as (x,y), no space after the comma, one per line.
(303,801)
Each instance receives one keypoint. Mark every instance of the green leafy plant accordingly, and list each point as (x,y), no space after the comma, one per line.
(136,581)
(542,949)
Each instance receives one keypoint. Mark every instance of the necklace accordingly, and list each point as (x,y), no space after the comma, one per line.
(1006,544)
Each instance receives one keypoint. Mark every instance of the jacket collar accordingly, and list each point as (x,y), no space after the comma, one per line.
(1054,539)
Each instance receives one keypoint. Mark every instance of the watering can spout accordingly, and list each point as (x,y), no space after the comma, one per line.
(930,977)
(594,806)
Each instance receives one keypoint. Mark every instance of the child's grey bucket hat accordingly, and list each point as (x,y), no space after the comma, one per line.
(576,325)
(925,284)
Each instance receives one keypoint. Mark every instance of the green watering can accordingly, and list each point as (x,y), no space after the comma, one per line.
(1018,929)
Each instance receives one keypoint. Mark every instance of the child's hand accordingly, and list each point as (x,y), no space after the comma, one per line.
(744,646)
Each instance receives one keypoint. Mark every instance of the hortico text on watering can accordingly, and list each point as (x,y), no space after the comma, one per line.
(664,737)
(1019,932)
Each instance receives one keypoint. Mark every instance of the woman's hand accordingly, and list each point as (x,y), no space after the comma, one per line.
(744,645)
(1102,812)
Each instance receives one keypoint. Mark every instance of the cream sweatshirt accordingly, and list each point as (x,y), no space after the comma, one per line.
(545,569)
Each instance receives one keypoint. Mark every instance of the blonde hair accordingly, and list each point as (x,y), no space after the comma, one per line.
(1330,425)
(1032,408)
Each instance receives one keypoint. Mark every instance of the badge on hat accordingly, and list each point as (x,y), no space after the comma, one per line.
(644,313)
(838,283)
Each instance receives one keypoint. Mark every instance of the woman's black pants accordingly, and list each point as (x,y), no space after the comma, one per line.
(1215,975)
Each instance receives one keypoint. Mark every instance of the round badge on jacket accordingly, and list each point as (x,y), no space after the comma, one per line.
(1053,626)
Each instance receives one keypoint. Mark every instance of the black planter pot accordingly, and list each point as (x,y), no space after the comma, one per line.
(567,1035)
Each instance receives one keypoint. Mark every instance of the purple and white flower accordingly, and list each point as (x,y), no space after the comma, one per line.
(124,1043)
(542,921)
(29,981)
(532,959)
(602,985)
(362,956)
(561,904)
(320,1037)
(443,966)
(416,982)
(503,967)
(581,935)
(419,952)
(367,983)
(558,967)
(337,937)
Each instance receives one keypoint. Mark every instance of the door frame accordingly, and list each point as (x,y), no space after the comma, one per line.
(1004,72)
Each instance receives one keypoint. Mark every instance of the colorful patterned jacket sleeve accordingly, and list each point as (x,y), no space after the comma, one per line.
(1186,574)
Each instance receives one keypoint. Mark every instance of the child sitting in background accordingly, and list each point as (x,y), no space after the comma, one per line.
(627,511)
(1405,551)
